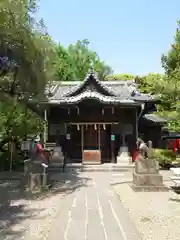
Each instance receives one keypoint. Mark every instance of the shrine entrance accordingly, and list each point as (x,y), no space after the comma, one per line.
(90,139)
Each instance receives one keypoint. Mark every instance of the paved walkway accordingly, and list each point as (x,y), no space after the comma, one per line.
(91,210)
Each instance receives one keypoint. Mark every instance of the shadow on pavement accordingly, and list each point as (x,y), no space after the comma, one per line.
(13,210)
(67,182)
(15,202)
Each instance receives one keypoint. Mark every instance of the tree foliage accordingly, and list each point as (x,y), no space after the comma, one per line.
(25,49)
(171,61)
(166,86)
(74,62)
(151,83)
(26,57)
(16,120)
(123,76)
(171,91)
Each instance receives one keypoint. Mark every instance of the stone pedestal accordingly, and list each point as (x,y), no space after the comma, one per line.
(35,182)
(57,158)
(147,179)
(146,176)
(44,180)
(123,157)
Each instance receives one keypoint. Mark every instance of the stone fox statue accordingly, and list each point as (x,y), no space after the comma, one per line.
(146,155)
(142,148)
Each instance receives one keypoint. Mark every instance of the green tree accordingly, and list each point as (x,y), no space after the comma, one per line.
(15,121)
(26,57)
(26,51)
(74,62)
(171,61)
(123,76)
(151,83)
(171,91)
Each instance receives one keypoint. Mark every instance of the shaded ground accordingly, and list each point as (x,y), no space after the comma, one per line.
(18,208)
(80,205)
(13,210)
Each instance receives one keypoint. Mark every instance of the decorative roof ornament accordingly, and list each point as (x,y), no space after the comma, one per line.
(91,68)
(91,78)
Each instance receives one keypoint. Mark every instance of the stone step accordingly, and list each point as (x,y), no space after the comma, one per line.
(96,168)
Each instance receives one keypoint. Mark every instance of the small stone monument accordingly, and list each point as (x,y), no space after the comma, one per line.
(35,171)
(123,157)
(27,171)
(36,175)
(146,176)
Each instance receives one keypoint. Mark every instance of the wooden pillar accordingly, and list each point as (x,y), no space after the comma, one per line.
(45,127)
(99,141)
(82,140)
(113,160)
(65,143)
(99,137)
(137,120)
(135,131)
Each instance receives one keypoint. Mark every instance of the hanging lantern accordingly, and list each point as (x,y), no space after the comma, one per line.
(77,111)
(103,111)
(104,126)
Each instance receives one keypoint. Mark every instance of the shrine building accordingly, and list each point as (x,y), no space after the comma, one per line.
(99,117)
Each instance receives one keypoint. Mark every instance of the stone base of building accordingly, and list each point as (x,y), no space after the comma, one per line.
(91,162)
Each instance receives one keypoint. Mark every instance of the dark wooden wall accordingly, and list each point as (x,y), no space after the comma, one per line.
(92,112)
(151,132)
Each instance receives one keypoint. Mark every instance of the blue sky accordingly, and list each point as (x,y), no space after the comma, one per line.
(129,35)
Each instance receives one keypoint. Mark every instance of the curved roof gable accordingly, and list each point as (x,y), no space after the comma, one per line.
(114,90)
(95,96)
(91,82)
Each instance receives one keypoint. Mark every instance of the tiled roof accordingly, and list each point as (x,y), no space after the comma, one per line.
(114,91)
(90,78)
(91,95)
(172,135)
(121,89)
(59,90)
(154,118)
(143,98)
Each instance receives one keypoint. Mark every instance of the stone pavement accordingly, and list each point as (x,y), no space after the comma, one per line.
(80,206)
(92,210)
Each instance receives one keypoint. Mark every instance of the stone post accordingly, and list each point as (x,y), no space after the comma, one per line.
(123,157)
(45,127)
